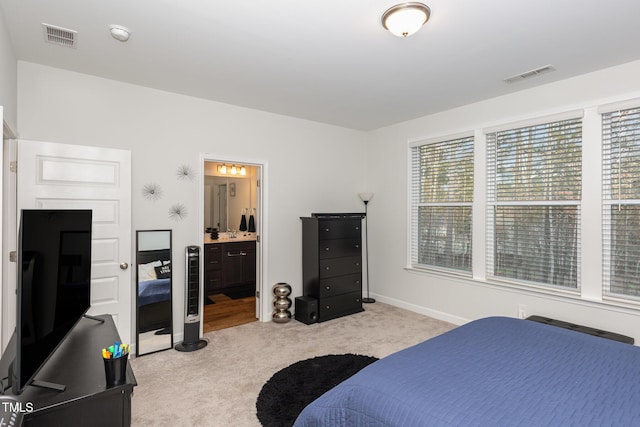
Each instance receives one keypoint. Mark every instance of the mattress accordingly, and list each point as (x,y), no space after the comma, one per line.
(491,372)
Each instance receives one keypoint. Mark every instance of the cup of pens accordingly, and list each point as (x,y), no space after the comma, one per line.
(115,363)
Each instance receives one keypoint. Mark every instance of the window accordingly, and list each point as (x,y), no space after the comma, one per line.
(621,202)
(534,180)
(441,204)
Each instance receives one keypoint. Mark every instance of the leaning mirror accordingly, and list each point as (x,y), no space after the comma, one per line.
(153,301)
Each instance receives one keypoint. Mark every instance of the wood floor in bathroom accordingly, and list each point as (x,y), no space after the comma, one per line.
(227,312)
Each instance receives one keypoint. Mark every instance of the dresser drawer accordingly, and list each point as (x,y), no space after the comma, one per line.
(330,308)
(340,228)
(340,266)
(340,285)
(340,248)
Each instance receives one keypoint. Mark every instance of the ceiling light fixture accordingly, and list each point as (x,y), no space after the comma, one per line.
(405,19)
(119,32)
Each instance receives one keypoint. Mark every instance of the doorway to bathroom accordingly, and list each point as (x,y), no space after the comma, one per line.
(232,223)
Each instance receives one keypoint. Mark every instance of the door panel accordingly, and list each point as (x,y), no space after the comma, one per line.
(59,176)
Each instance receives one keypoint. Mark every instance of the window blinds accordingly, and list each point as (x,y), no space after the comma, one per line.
(534,180)
(441,204)
(621,202)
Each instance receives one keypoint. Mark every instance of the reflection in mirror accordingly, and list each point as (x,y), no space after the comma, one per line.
(228,196)
(154,312)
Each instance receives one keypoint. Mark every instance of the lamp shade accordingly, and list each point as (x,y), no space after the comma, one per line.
(365,197)
(405,19)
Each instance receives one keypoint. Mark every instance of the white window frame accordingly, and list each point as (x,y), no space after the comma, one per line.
(591,232)
(491,203)
(413,251)
(608,201)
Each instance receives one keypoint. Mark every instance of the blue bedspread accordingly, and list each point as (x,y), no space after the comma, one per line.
(491,372)
(152,291)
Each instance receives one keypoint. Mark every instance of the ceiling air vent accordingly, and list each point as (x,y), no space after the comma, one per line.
(60,36)
(529,74)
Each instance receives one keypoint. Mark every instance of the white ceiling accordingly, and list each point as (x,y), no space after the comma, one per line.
(330,61)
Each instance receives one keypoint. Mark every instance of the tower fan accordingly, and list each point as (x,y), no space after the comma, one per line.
(192,341)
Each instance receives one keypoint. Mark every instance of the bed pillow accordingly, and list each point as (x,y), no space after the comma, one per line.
(147,271)
(163,271)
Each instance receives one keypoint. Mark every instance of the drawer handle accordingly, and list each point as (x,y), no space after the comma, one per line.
(357,246)
(326,230)
(357,282)
(327,287)
(357,264)
(326,249)
(327,268)
(328,307)
(238,254)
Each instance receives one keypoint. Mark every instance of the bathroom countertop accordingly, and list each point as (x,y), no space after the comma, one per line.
(224,238)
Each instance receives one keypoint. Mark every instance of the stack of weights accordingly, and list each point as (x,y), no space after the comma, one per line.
(281,303)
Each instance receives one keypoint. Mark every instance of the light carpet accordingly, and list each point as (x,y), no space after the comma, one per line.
(219,385)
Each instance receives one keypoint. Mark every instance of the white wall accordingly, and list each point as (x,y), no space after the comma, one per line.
(305,175)
(461,300)
(312,167)
(8,77)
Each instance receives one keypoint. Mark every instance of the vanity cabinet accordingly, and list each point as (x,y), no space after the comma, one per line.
(332,263)
(212,268)
(238,264)
(229,265)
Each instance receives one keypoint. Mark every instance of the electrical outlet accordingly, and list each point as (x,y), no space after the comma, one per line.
(522,311)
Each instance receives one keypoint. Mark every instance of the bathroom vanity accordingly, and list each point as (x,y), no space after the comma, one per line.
(230,263)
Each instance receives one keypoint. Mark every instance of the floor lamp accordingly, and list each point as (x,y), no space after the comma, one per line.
(365,197)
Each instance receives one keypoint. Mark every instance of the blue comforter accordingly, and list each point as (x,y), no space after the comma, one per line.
(491,372)
(152,291)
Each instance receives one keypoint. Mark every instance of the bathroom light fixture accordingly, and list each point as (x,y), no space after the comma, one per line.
(119,32)
(405,19)
(224,169)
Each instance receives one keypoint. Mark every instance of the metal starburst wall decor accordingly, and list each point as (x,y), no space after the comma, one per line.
(185,172)
(152,191)
(178,212)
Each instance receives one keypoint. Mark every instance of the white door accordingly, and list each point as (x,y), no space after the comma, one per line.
(59,176)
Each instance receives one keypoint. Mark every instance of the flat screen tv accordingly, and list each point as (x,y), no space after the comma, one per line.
(54,283)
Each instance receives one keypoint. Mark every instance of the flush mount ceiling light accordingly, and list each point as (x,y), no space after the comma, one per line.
(119,32)
(405,19)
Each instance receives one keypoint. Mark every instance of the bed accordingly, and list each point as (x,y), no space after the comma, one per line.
(495,371)
(154,290)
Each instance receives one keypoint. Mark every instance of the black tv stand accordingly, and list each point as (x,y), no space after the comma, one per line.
(85,399)
(46,384)
(97,319)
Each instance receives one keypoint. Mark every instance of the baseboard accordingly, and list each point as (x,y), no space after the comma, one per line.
(421,310)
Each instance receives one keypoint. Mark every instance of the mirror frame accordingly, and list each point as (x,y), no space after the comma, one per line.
(146,256)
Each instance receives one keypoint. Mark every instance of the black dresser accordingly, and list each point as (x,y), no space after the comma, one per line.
(332,263)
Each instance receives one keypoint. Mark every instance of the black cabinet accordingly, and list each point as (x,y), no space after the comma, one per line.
(229,265)
(332,263)
(77,364)
(212,268)
(239,264)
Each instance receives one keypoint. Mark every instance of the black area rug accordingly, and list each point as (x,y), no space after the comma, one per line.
(288,391)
